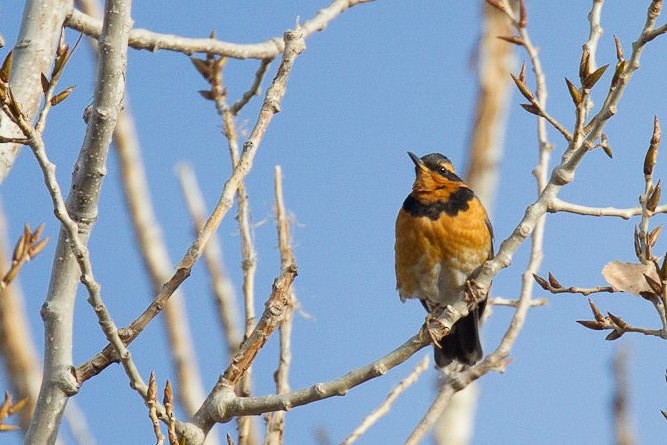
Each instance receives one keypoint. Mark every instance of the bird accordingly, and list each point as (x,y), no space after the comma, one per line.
(443,237)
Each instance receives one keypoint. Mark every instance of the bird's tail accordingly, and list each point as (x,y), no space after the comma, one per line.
(462,344)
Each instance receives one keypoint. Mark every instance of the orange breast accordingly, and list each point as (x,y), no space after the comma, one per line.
(434,258)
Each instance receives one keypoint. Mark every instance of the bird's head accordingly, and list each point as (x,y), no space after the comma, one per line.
(435,172)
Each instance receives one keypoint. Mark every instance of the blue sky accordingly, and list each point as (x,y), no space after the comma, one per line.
(382,79)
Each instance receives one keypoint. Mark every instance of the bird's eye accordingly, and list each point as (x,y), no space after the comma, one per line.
(443,170)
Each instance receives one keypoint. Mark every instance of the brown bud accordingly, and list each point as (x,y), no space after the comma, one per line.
(512,39)
(596,312)
(554,282)
(584,68)
(19,248)
(619,49)
(542,282)
(523,16)
(652,152)
(523,88)
(638,244)
(55,100)
(620,68)
(604,144)
(654,198)
(613,335)
(45,82)
(617,321)
(168,398)
(18,406)
(202,66)
(496,4)
(590,324)
(522,73)
(206,94)
(532,109)
(152,388)
(654,235)
(574,92)
(37,248)
(6,69)
(654,285)
(590,80)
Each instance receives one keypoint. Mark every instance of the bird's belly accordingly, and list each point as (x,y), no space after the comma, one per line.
(441,283)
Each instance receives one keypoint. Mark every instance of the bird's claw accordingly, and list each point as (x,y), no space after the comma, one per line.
(435,329)
(472,293)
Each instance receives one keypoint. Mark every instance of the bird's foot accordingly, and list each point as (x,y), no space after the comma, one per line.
(435,329)
(473,293)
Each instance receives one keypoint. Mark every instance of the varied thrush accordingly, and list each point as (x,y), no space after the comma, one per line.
(443,236)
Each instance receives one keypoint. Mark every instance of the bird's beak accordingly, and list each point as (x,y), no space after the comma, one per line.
(418,162)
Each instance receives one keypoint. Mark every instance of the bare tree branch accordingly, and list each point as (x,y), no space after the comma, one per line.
(276,421)
(223,291)
(77,217)
(33,55)
(269,49)
(383,409)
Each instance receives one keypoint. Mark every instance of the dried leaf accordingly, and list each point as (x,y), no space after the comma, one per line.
(6,69)
(664,414)
(574,92)
(628,277)
(593,78)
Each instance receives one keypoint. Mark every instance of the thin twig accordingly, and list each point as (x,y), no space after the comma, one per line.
(435,410)
(276,421)
(270,107)
(384,408)
(558,205)
(254,89)
(223,290)
(269,49)
(514,303)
